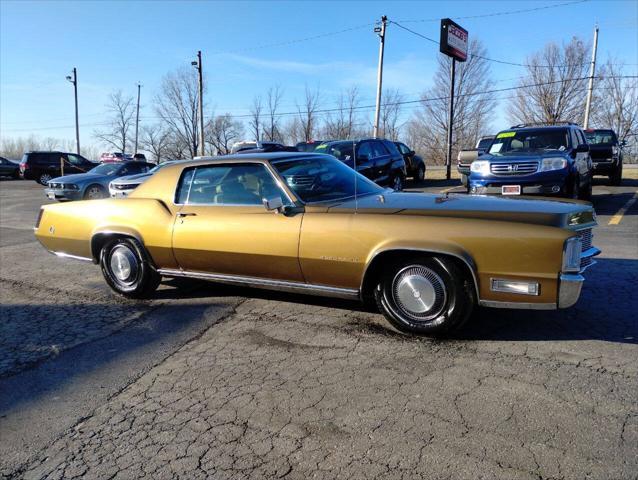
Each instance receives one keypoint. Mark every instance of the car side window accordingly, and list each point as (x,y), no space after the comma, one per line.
(404,150)
(228,185)
(574,138)
(74,159)
(365,149)
(581,137)
(378,150)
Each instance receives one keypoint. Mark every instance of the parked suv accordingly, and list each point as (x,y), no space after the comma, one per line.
(414,164)
(43,166)
(606,153)
(535,159)
(377,159)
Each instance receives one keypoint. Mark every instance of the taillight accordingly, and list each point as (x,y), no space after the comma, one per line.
(37,222)
(24,166)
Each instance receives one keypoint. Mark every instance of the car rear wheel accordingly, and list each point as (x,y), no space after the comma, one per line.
(126,268)
(425,296)
(44,179)
(420,173)
(397,183)
(615,178)
(95,192)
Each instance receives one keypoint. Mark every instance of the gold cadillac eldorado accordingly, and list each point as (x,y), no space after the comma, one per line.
(307,223)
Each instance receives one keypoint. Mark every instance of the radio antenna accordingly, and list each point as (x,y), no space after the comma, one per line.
(354,164)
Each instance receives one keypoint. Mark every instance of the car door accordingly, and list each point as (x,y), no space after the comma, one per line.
(222,226)
(382,161)
(365,160)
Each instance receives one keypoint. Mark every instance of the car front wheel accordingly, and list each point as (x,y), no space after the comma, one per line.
(126,268)
(425,296)
(95,192)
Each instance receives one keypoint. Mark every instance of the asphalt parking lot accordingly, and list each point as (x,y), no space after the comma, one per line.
(209,381)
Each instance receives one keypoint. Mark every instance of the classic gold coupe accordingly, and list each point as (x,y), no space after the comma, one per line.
(307,223)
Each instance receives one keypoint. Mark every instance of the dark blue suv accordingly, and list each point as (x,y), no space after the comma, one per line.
(535,159)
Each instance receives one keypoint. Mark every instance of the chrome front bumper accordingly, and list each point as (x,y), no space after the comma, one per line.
(570,284)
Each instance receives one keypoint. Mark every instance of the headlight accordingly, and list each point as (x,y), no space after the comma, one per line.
(480,166)
(571,254)
(553,163)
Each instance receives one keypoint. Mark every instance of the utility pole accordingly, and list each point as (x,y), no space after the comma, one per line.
(74,80)
(137,116)
(381,32)
(590,87)
(450,126)
(198,65)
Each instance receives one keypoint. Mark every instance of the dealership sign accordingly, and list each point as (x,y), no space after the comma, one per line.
(453,40)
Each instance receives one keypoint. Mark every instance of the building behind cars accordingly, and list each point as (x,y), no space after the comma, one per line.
(606,153)
(377,159)
(42,166)
(535,159)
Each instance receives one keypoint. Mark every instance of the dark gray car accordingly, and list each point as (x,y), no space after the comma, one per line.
(95,183)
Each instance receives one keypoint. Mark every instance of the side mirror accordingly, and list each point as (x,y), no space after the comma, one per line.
(411,153)
(273,204)
(582,148)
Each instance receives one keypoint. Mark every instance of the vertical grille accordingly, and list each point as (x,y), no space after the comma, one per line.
(516,168)
(586,238)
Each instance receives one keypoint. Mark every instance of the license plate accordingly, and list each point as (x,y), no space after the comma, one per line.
(51,195)
(511,189)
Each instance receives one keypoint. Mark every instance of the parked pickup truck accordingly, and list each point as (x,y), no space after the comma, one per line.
(466,157)
(606,153)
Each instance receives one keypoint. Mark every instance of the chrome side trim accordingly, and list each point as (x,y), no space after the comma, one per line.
(73,257)
(569,289)
(266,283)
(467,262)
(517,305)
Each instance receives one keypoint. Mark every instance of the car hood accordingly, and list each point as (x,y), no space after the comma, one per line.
(137,178)
(557,213)
(80,178)
(522,157)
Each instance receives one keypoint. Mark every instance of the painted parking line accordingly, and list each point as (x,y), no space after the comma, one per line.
(615,220)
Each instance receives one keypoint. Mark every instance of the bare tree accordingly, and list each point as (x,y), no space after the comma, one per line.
(273,101)
(307,113)
(121,110)
(156,139)
(177,106)
(616,104)
(255,118)
(292,131)
(344,123)
(221,132)
(427,129)
(555,87)
(390,114)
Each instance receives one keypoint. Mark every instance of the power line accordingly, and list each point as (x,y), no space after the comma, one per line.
(499,14)
(402,102)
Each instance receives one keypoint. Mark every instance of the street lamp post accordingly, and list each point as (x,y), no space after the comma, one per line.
(137,116)
(74,80)
(198,64)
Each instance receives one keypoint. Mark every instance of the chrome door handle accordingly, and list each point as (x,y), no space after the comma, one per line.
(186,214)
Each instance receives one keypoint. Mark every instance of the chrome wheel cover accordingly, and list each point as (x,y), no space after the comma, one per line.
(45,178)
(419,293)
(123,265)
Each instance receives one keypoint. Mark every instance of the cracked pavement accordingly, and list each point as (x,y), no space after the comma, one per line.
(273,386)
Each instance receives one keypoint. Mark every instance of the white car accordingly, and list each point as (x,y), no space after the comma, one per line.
(123,186)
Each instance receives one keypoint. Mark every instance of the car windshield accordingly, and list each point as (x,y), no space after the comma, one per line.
(600,137)
(106,169)
(530,141)
(342,150)
(322,178)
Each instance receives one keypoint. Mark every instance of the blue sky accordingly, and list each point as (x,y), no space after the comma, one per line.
(115,44)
